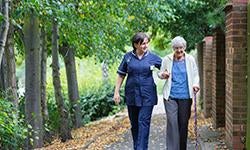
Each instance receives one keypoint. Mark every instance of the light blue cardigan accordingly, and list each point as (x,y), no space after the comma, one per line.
(192,73)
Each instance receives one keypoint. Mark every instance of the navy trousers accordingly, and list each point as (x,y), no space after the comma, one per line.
(140,118)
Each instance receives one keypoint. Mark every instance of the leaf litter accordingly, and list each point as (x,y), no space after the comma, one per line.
(95,135)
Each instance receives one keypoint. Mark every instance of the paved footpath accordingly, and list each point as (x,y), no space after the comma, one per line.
(157,140)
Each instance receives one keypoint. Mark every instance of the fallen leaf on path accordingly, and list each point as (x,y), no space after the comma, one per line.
(94,135)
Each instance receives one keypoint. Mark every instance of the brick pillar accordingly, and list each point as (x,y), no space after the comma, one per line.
(218,78)
(236,71)
(207,75)
(199,48)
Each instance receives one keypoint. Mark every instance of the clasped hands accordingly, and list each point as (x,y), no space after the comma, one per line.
(165,74)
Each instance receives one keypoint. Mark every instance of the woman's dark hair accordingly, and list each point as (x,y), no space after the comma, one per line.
(138,38)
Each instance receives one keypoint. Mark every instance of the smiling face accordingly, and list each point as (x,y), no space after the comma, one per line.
(178,51)
(143,46)
(179,47)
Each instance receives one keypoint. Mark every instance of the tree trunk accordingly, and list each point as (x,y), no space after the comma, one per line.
(33,80)
(69,60)
(45,115)
(43,76)
(5,28)
(11,68)
(3,76)
(64,130)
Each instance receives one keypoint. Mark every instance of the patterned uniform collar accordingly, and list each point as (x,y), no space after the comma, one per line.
(145,54)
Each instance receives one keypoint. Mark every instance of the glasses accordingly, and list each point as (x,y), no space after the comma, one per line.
(176,48)
(179,49)
(179,52)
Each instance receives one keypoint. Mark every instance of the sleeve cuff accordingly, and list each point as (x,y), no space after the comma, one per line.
(121,73)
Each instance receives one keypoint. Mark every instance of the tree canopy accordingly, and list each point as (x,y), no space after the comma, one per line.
(102,28)
(195,19)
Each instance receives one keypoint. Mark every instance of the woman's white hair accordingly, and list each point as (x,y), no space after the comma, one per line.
(178,41)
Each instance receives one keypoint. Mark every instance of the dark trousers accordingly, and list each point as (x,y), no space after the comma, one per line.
(184,107)
(140,118)
(178,113)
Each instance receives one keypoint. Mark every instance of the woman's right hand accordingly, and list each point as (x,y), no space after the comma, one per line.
(117,98)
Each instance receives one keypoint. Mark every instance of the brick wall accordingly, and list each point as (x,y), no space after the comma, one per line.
(218,78)
(199,48)
(236,71)
(207,75)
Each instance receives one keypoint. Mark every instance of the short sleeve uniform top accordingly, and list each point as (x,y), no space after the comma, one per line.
(140,89)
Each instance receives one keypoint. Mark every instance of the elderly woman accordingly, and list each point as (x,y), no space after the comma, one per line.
(180,71)
(140,89)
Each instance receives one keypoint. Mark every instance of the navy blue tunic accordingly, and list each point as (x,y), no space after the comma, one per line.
(140,89)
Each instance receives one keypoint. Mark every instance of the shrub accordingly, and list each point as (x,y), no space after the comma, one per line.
(97,103)
(12,128)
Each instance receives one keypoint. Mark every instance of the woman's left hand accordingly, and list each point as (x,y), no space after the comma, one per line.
(196,89)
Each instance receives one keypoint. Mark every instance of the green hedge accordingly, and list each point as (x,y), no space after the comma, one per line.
(97,103)
(12,128)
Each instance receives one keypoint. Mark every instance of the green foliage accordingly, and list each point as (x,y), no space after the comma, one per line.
(98,28)
(53,121)
(89,74)
(161,44)
(1,18)
(12,128)
(91,85)
(90,79)
(103,28)
(98,103)
(195,19)
(95,93)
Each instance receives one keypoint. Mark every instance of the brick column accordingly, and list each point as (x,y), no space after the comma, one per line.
(218,78)
(207,75)
(236,71)
(199,48)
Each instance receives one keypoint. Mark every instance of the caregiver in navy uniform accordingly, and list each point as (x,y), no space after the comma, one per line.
(140,89)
